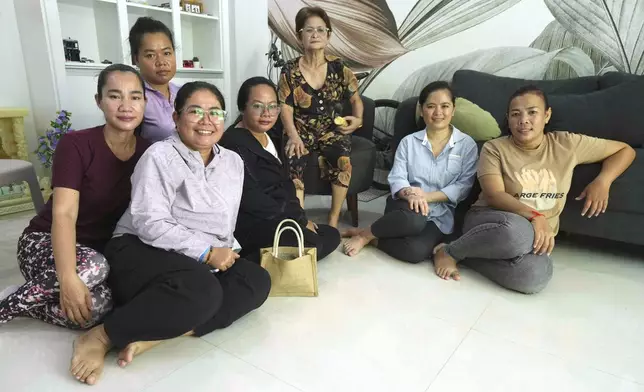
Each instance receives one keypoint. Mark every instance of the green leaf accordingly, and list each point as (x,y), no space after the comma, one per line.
(554,37)
(615,28)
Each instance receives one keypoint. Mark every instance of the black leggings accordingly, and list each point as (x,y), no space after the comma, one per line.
(160,294)
(405,234)
(326,240)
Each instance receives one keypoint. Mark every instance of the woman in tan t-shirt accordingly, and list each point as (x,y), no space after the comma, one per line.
(510,231)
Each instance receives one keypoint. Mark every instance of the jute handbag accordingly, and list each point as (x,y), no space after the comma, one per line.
(293,270)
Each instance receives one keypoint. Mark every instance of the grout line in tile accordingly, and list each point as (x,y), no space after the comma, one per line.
(448,359)
(487,305)
(204,340)
(152,383)
(261,370)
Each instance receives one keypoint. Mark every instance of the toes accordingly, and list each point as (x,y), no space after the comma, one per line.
(93,377)
(80,371)
(83,376)
(456,275)
(76,368)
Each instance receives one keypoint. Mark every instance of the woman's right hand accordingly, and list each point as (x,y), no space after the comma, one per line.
(222,258)
(312,226)
(544,239)
(75,299)
(295,146)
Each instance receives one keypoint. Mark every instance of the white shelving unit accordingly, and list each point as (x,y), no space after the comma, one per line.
(101,28)
(228,53)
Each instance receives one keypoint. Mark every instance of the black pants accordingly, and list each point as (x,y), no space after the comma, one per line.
(326,240)
(160,294)
(405,234)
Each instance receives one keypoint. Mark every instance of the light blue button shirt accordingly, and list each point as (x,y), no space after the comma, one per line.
(452,172)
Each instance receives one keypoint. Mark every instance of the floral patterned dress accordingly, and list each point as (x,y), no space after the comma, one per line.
(313,114)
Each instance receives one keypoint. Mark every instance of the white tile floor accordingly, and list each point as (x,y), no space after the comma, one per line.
(382,325)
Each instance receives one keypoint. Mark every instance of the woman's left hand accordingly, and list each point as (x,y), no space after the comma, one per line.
(596,195)
(353,123)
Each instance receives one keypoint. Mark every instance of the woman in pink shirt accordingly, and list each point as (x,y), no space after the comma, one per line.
(152,47)
(60,253)
(173,266)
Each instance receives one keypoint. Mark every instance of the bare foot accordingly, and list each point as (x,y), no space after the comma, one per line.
(133,349)
(445,265)
(438,247)
(351,232)
(89,355)
(333,221)
(354,245)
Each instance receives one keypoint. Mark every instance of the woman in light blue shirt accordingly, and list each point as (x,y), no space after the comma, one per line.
(433,171)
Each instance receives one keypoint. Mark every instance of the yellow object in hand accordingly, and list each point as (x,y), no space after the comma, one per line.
(340,121)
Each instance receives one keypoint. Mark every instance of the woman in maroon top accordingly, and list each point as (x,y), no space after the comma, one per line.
(59,253)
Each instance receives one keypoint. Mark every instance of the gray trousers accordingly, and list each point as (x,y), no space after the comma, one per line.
(498,245)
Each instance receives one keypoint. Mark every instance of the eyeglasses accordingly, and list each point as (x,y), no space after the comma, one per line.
(319,30)
(259,108)
(196,115)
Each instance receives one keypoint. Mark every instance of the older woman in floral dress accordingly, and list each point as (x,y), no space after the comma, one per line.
(311,87)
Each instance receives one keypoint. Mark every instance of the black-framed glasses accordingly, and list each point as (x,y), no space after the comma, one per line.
(258,108)
(197,114)
(310,30)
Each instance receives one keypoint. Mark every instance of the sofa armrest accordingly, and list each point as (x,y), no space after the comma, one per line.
(366,130)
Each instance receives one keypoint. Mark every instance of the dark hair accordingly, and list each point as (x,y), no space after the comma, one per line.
(305,13)
(186,91)
(146,25)
(435,86)
(528,89)
(247,86)
(105,73)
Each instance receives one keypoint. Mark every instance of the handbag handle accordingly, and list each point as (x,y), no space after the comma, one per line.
(298,235)
(295,224)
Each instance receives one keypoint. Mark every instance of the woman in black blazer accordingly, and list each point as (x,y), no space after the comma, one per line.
(269,194)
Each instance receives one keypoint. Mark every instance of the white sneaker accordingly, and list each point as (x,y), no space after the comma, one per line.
(8,291)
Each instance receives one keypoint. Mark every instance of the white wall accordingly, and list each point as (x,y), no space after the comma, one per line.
(250,39)
(517,26)
(14,88)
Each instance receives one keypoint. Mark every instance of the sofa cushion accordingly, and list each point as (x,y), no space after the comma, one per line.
(493,92)
(615,113)
(626,193)
(611,79)
(474,121)
(471,120)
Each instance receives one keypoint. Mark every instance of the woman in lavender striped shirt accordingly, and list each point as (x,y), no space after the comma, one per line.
(173,268)
(152,47)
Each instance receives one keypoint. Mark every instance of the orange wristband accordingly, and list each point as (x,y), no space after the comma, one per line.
(535,214)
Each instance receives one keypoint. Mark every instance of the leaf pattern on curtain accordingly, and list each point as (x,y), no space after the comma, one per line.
(432,20)
(517,62)
(364,31)
(554,37)
(614,27)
